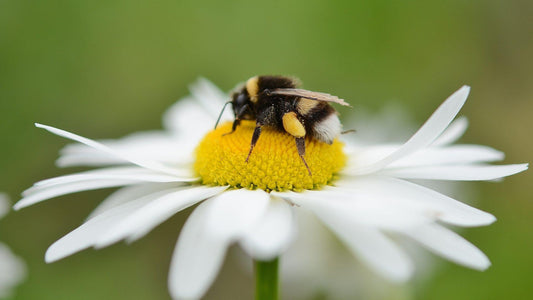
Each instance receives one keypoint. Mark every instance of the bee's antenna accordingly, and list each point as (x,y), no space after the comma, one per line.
(219,116)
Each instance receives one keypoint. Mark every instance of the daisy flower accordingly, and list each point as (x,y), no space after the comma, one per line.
(12,268)
(364,194)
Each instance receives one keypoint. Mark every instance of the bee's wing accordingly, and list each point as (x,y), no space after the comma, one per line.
(309,95)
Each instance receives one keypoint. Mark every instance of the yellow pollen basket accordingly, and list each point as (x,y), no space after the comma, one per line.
(273,165)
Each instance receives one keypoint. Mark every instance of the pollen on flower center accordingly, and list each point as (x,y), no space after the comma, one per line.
(273,165)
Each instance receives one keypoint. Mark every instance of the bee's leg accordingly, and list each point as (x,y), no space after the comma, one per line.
(300,145)
(237,121)
(255,137)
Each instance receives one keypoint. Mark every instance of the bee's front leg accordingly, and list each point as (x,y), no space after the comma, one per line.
(237,121)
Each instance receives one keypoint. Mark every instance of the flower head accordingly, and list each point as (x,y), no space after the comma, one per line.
(361,193)
(275,165)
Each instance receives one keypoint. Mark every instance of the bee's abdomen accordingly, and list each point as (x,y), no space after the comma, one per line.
(320,119)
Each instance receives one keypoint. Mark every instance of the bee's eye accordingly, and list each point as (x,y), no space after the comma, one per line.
(241,99)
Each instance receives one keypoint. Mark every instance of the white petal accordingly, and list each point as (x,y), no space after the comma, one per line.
(93,159)
(85,236)
(37,196)
(12,271)
(449,245)
(210,97)
(234,212)
(272,235)
(157,146)
(456,154)
(179,117)
(454,132)
(197,257)
(451,155)
(201,109)
(154,213)
(361,156)
(421,200)
(211,228)
(432,129)
(153,165)
(116,173)
(367,204)
(129,193)
(461,172)
(372,246)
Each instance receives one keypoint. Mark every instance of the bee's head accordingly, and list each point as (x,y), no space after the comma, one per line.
(242,105)
(244,99)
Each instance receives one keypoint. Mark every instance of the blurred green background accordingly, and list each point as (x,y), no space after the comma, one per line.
(104,69)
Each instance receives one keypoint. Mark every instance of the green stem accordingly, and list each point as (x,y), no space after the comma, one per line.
(266,280)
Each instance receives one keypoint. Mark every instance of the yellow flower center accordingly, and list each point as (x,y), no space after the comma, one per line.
(273,165)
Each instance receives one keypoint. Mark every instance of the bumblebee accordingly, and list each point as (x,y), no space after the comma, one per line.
(276,102)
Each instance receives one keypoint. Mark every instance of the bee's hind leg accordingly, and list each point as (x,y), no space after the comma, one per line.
(300,145)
